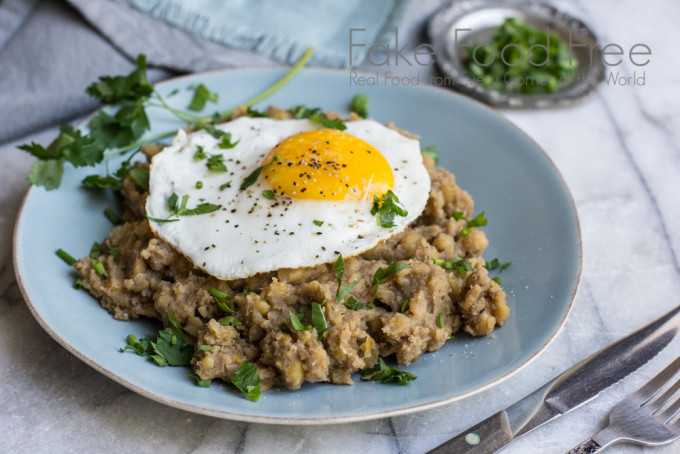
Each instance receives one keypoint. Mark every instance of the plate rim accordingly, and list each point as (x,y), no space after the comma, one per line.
(265,419)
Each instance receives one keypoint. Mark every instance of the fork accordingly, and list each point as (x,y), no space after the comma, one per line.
(643,417)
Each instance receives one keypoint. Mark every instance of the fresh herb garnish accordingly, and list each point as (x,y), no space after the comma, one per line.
(339,268)
(168,348)
(477,221)
(115,252)
(229,320)
(66,257)
(216,163)
(440,320)
(112,216)
(252,178)
(497,280)
(95,251)
(182,210)
(318,223)
(461,265)
(383,273)
(247,380)
(319,319)
(255,113)
(386,208)
(352,304)
(78,284)
(268,194)
(221,299)
(99,268)
(199,184)
(386,374)
(404,305)
(296,321)
(360,105)
(225,185)
(201,97)
(226,142)
(199,382)
(205,348)
(199,154)
(327,123)
(301,112)
(432,152)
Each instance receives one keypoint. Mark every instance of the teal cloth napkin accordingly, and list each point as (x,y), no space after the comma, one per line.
(283,29)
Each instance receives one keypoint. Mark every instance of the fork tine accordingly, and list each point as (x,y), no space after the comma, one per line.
(657,402)
(670,412)
(648,391)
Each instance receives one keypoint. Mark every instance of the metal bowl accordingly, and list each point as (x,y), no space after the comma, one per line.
(482,17)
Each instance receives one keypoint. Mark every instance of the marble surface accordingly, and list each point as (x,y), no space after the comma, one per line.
(619,153)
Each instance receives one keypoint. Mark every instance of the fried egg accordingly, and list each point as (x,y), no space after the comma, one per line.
(287,195)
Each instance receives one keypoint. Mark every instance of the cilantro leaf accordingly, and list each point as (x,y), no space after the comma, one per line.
(114,90)
(352,304)
(255,113)
(478,221)
(100,182)
(360,105)
(386,208)
(247,379)
(229,320)
(199,382)
(76,148)
(226,142)
(432,152)
(167,348)
(386,374)
(200,154)
(268,194)
(201,96)
(326,123)
(318,319)
(221,299)
(46,173)
(128,124)
(140,177)
(339,268)
(318,223)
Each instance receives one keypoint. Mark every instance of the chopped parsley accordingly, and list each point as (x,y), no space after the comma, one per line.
(301,112)
(255,113)
(339,268)
(66,257)
(268,194)
(221,299)
(461,265)
(252,178)
(318,223)
(477,221)
(229,320)
(496,264)
(383,273)
(225,185)
(432,152)
(215,163)
(360,105)
(115,252)
(319,319)
(247,380)
(386,208)
(199,154)
(201,97)
(226,142)
(199,382)
(386,374)
(296,321)
(352,304)
(327,123)
(182,210)
(167,348)
(497,280)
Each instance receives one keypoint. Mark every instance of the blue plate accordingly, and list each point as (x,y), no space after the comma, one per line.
(532,223)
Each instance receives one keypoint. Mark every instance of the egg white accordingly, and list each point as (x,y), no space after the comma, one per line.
(250,234)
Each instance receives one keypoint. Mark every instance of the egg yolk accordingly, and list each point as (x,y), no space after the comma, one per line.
(327,164)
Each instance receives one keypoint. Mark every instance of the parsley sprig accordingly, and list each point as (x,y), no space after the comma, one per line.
(247,380)
(167,348)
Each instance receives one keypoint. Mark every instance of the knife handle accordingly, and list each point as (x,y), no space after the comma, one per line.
(486,437)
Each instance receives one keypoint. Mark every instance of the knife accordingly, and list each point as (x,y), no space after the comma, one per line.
(573,388)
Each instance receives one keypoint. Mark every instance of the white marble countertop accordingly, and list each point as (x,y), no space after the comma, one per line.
(619,153)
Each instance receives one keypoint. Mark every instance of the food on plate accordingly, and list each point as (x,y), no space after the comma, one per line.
(271,282)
